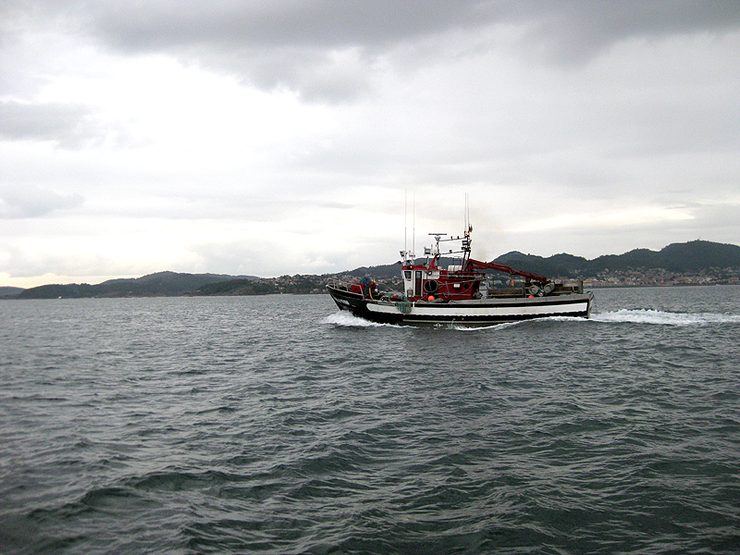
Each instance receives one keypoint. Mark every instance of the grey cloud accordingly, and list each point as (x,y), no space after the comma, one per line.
(20,121)
(338,24)
(324,24)
(290,42)
(579,29)
(317,75)
(284,44)
(71,126)
(34,202)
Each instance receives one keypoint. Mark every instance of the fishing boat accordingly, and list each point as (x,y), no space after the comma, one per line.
(464,292)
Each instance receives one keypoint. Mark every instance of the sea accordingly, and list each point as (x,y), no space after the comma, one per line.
(279,425)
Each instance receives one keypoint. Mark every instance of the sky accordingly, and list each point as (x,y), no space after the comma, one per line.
(273,137)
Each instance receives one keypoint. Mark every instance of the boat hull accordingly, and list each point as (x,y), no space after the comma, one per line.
(479,312)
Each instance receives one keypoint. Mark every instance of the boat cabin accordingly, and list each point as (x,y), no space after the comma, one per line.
(427,282)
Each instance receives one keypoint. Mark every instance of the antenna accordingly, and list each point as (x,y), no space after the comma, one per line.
(468,229)
(467,211)
(413,232)
(405,225)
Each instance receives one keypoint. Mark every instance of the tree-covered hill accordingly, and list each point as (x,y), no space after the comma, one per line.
(693,256)
(161,284)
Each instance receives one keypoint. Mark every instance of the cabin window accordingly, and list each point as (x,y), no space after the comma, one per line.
(407,274)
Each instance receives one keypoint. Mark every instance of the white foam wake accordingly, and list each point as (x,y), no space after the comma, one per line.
(649,316)
(501,326)
(636,316)
(347,319)
(505,325)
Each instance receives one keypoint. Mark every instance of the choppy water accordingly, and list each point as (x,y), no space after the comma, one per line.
(278,425)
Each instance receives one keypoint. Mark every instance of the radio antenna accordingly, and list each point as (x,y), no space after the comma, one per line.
(405,225)
(467,211)
(413,225)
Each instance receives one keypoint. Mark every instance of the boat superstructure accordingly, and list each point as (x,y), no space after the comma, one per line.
(450,287)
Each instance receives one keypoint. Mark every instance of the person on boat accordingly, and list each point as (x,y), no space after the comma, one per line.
(369,288)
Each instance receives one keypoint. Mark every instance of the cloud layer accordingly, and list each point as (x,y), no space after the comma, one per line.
(283,137)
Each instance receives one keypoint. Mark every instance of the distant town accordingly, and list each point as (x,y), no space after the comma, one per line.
(644,277)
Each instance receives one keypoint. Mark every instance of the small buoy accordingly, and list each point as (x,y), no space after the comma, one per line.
(430,298)
(531,296)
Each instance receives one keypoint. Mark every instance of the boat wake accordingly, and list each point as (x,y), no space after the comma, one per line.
(505,325)
(346,319)
(634,316)
(657,317)
(501,326)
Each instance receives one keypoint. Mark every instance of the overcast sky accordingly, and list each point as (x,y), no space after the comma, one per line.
(272,137)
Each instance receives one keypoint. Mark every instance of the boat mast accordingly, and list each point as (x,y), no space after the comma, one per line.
(408,256)
(413,226)
(404,254)
(467,210)
(467,240)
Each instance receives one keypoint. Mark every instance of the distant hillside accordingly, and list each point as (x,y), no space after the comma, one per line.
(161,284)
(266,286)
(559,265)
(378,272)
(5,291)
(694,256)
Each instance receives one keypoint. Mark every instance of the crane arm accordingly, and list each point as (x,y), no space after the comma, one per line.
(477,265)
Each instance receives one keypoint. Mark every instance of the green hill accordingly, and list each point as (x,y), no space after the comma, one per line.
(694,256)
(161,284)
(10,291)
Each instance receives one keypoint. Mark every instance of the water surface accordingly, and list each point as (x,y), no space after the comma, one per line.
(279,425)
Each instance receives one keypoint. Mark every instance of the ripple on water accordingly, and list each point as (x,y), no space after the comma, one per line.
(277,425)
